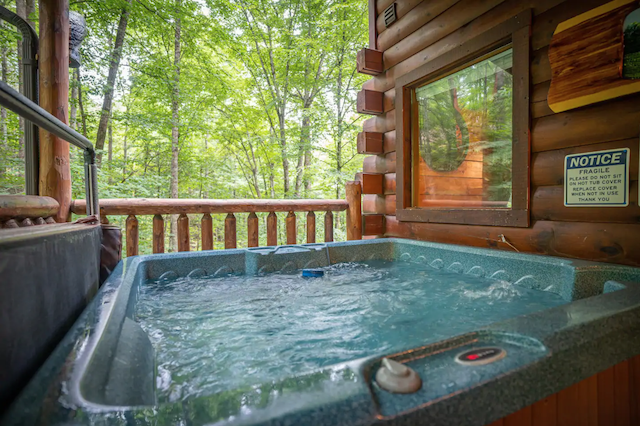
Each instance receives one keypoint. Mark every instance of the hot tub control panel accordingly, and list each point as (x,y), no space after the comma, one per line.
(481,356)
(449,367)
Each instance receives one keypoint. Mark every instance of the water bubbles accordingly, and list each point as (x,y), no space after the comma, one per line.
(214,334)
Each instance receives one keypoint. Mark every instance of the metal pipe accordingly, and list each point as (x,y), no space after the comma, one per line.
(11,99)
(30,84)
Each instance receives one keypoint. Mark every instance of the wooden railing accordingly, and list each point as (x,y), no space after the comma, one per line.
(182,207)
(17,211)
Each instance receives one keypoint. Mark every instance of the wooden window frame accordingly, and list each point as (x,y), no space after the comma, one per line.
(515,32)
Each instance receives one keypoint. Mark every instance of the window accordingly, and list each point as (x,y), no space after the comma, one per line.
(464,129)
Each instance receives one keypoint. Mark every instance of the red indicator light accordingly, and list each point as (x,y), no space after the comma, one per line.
(473,357)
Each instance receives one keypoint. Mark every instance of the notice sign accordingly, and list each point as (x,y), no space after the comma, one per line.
(597,179)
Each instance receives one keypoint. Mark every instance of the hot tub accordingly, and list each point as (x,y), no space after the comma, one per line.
(240,337)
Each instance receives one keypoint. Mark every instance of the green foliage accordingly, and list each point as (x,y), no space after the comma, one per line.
(631,64)
(230,144)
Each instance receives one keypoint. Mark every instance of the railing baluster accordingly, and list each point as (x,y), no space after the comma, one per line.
(291,228)
(183,232)
(328,227)
(132,235)
(230,231)
(272,229)
(158,234)
(206,225)
(311,227)
(252,230)
(11,223)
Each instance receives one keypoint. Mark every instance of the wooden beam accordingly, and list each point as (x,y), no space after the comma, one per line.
(370,142)
(206,228)
(272,229)
(132,235)
(354,212)
(53,65)
(328,227)
(373,224)
(253,232)
(158,234)
(150,206)
(22,206)
(370,102)
(369,61)
(372,183)
(184,240)
(230,236)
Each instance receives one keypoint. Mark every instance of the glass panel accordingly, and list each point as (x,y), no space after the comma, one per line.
(462,134)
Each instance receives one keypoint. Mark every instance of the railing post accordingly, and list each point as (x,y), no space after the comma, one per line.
(272,229)
(132,235)
(311,227)
(291,228)
(328,227)
(158,234)
(230,231)
(183,233)
(252,230)
(206,225)
(354,211)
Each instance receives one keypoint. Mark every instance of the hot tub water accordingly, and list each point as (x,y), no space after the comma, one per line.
(214,334)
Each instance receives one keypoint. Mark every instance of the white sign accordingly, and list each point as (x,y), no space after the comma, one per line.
(597,179)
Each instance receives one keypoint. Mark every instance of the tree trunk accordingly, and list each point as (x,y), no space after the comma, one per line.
(283,147)
(175,129)
(73,110)
(116,54)
(3,115)
(83,116)
(3,111)
(110,152)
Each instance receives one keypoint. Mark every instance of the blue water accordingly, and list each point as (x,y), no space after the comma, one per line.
(214,334)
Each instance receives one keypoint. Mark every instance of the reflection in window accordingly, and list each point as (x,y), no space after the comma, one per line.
(462,129)
(631,63)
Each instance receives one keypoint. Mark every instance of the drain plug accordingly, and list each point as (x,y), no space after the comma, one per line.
(395,377)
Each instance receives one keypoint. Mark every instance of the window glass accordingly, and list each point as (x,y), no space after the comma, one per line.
(462,135)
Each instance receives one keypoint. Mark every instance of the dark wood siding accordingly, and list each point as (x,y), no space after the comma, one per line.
(427,29)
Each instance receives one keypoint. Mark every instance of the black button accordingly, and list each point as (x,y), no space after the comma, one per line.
(481,356)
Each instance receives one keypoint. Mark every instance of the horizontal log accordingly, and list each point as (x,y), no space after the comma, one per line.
(493,17)
(546,23)
(371,183)
(382,123)
(540,91)
(389,141)
(369,61)
(449,21)
(402,9)
(547,168)
(604,242)
(27,206)
(412,15)
(379,204)
(609,121)
(540,109)
(540,67)
(370,142)
(152,206)
(389,184)
(389,100)
(380,163)
(373,224)
(381,5)
(547,203)
(369,102)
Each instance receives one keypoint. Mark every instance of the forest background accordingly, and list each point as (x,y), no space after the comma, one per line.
(217,99)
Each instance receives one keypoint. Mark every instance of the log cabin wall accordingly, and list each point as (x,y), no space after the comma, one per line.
(425,30)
